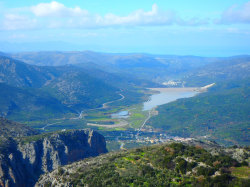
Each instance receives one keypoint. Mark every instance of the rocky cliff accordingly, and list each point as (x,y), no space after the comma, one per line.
(12,129)
(23,161)
(191,163)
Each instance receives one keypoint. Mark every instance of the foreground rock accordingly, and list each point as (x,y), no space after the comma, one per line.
(191,163)
(22,161)
(12,129)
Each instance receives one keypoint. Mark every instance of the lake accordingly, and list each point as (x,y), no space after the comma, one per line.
(122,114)
(167,95)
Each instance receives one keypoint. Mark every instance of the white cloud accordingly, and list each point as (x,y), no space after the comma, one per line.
(56,15)
(236,14)
(139,17)
(18,22)
(56,9)
(77,17)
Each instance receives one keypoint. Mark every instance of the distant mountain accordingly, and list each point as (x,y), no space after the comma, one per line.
(29,89)
(221,114)
(38,46)
(15,130)
(29,103)
(78,89)
(57,58)
(169,164)
(231,68)
(145,66)
(3,54)
(19,74)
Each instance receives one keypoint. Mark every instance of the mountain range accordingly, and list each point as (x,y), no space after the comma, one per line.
(46,85)
(51,85)
(146,66)
(221,114)
(31,91)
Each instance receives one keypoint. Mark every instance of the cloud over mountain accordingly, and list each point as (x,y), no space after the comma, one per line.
(56,9)
(57,15)
(236,14)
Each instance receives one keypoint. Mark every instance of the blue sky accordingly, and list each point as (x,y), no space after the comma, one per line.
(193,27)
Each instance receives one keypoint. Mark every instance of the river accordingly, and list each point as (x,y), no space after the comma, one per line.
(167,95)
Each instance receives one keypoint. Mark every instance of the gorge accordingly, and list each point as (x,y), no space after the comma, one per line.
(23,160)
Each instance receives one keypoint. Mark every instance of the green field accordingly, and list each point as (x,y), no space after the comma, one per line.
(241,172)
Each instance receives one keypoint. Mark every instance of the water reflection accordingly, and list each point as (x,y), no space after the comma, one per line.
(122,114)
(166,97)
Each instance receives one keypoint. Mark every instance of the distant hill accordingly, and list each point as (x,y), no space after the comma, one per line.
(231,68)
(151,67)
(194,70)
(29,103)
(222,114)
(30,91)
(19,74)
(3,54)
(170,164)
(12,129)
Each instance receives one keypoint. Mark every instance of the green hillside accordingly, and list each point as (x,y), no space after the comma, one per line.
(221,114)
(29,103)
(10,129)
(30,92)
(143,66)
(225,69)
(172,164)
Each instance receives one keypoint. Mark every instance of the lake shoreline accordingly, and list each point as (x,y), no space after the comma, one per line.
(166,95)
(185,89)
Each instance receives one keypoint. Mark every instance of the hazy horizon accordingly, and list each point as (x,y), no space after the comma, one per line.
(61,46)
(157,27)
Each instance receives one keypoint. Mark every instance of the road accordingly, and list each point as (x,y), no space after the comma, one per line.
(43,128)
(121,123)
(104,105)
(145,121)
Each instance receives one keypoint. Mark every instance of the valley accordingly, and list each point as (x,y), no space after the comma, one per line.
(130,104)
(124,93)
(132,125)
(87,93)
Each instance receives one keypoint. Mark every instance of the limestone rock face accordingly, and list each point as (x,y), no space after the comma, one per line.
(21,164)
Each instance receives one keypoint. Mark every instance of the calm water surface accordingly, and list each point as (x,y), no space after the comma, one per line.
(166,97)
(122,114)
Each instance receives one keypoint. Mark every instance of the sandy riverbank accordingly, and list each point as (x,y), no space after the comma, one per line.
(122,123)
(184,89)
(187,89)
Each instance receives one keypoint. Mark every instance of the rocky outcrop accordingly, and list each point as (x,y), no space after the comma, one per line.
(12,129)
(22,163)
(157,165)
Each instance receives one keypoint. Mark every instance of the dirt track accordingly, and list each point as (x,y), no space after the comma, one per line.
(176,89)
(122,123)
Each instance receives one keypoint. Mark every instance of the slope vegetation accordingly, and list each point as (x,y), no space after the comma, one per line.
(30,91)
(12,129)
(221,114)
(172,164)
(225,69)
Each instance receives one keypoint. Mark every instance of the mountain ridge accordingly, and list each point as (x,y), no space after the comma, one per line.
(70,88)
(168,164)
(24,159)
